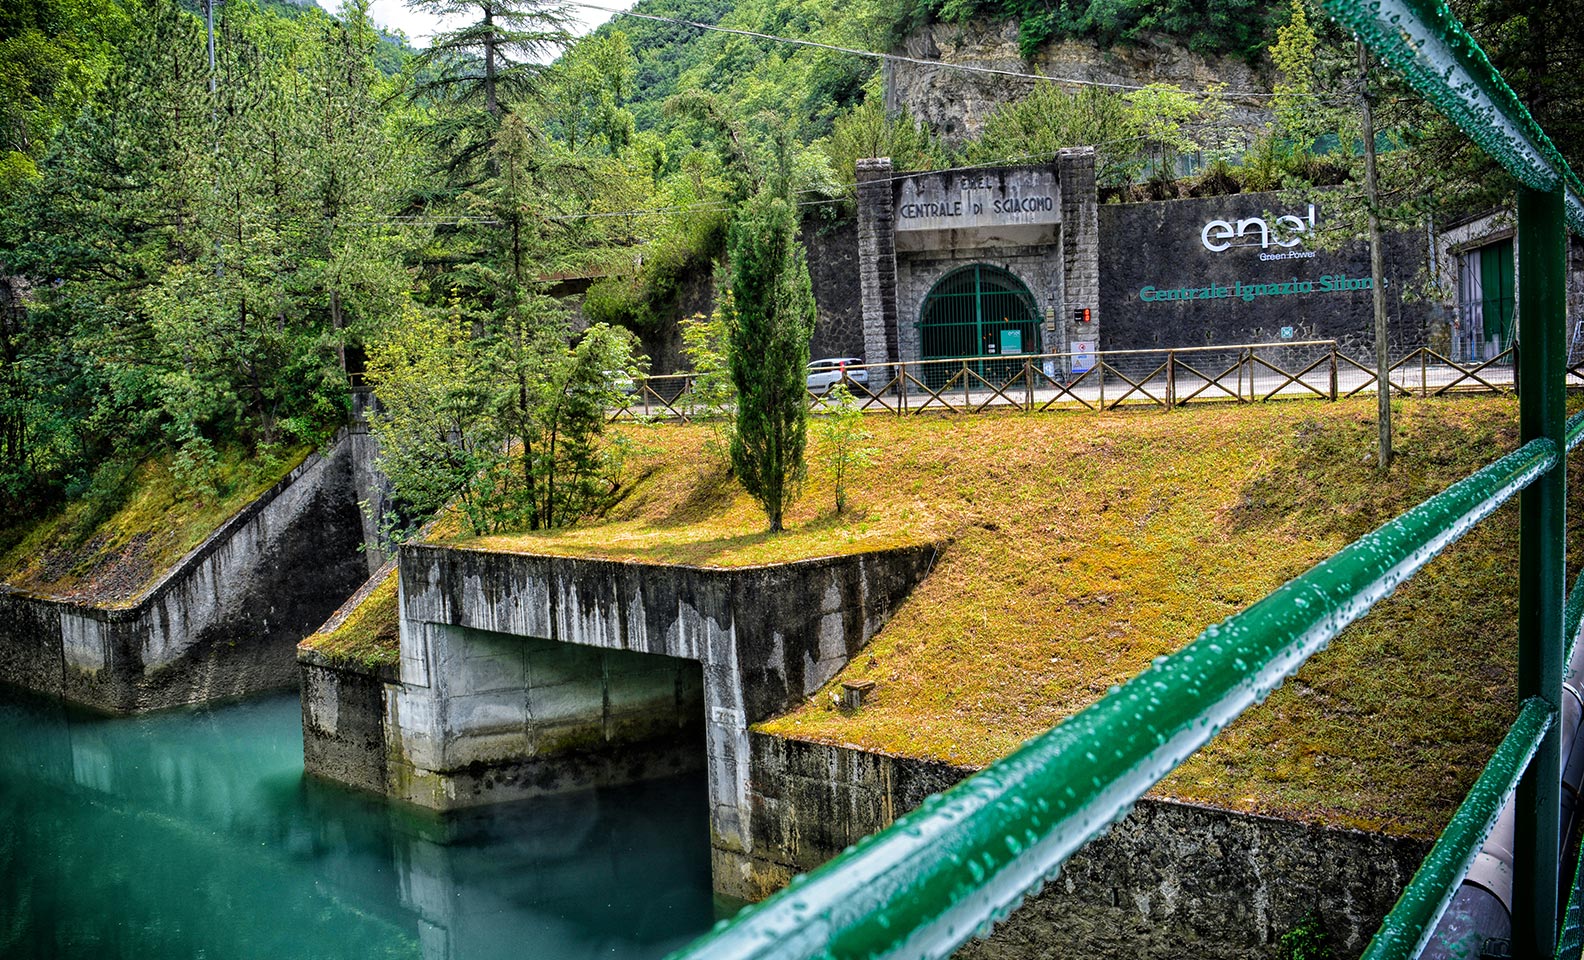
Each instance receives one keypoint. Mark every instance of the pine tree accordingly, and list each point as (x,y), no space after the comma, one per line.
(770,323)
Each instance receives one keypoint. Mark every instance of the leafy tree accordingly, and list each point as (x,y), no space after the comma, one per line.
(1132,132)
(436,437)
(866,131)
(843,449)
(54,55)
(586,90)
(712,397)
(770,320)
(496,59)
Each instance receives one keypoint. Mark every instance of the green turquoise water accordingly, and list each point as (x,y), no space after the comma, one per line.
(193,833)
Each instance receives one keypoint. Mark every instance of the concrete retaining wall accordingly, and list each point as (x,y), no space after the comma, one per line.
(1170,880)
(223,622)
(344,721)
(472,705)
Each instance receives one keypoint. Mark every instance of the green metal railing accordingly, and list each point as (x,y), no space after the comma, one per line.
(1408,927)
(968,857)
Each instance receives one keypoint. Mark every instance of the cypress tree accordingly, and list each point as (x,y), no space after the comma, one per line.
(770,318)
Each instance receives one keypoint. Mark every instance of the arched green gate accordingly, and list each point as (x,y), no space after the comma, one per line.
(978,311)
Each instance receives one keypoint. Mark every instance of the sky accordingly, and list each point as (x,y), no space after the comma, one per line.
(420,26)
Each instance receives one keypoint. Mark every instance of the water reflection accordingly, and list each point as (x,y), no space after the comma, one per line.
(194,834)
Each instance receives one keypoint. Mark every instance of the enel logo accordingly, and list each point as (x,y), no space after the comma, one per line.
(1219,235)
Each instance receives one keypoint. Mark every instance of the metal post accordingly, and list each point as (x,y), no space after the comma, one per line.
(1099,361)
(1542,273)
(1333,372)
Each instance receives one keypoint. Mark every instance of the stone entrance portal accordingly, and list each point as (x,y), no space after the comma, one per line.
(936,250)
(979,311)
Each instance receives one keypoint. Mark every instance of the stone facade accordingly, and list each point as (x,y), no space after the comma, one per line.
(1170,880)
(1249,243)
(1039,223)
(224,622)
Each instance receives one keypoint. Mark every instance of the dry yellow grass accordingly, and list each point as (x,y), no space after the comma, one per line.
(1082,546)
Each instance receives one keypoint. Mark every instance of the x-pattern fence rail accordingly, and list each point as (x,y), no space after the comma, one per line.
(1107,380)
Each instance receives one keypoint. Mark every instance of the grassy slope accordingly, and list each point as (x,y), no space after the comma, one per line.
(367,637)
(110,546)
(1083,546)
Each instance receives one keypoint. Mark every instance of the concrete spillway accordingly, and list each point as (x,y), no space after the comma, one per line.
(523,675)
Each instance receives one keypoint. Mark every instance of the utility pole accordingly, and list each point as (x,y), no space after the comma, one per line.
(208,6)
(1377,278)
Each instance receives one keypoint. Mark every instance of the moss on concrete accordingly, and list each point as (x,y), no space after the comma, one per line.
(367,635)
(132,525)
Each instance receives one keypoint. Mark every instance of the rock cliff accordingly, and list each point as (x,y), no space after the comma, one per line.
(956,102)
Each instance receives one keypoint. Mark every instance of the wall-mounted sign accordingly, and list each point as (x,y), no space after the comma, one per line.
(1014,205)
(1011,341)
(1285,231)
(1248,292)
(1083,356)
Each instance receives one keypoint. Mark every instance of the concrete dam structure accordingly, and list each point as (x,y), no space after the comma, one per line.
(226,619)
(524,675)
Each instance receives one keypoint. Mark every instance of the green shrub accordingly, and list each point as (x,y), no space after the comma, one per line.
(1307,940)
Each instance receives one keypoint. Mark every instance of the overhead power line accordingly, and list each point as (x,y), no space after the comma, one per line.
(900,58)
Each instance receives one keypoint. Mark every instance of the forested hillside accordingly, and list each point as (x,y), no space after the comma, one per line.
(195,263)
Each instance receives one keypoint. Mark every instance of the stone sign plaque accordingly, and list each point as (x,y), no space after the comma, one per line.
(1009,206)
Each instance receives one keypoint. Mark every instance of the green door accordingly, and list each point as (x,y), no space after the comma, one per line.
(1497,295)
(978,311)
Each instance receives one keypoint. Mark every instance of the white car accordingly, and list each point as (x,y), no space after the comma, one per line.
(823,373)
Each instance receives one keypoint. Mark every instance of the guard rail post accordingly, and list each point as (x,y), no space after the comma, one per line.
(1333,371)
(1542,245)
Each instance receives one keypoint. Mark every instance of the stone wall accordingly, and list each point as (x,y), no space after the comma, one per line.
(838,294)
(224,621)
(1170,880)
(1149,248)
(877,261)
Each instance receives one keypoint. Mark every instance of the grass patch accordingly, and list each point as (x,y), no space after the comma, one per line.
(1083,546)
(367,637)
(131,526)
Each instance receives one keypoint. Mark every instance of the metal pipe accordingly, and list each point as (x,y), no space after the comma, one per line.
(1542,588)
